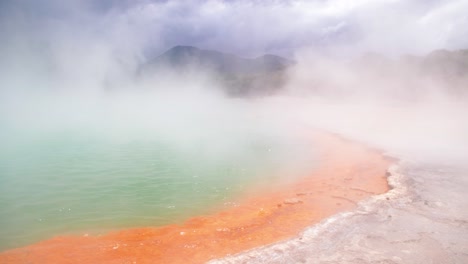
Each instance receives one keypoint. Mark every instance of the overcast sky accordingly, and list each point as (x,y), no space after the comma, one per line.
(247,28)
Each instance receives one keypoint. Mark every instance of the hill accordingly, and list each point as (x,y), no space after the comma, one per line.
(238,76)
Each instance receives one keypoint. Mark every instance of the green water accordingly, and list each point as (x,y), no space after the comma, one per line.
(72,183)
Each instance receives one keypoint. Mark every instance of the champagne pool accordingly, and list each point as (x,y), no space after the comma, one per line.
(70,182)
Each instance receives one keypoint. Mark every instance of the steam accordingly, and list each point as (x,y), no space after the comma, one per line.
(73,65)
(388,103)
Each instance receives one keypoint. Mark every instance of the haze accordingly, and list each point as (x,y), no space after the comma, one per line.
(358,69)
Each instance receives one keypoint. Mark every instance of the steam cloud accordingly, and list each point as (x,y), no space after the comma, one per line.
(74,62)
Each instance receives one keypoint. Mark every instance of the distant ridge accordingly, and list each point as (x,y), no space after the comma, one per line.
(442,68)
(408,77)
(239,76)
(183,56)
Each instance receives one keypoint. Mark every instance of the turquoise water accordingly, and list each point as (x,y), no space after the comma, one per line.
(55,183)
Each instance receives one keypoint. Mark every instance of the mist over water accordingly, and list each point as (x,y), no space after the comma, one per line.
(88,164)
(88,147)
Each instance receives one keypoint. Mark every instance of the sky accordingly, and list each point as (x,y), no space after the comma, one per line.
(145,28)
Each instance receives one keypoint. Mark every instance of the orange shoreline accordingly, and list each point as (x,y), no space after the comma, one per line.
(348,172)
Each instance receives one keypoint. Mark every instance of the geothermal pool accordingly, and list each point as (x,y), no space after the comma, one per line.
(278,209)
(75,183)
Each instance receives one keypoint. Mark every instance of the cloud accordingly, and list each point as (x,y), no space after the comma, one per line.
(411,26)
(255,27)
(250,28)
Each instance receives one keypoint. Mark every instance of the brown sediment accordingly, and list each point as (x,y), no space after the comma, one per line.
(347,173)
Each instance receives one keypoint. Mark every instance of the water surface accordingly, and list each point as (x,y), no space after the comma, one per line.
(70,181)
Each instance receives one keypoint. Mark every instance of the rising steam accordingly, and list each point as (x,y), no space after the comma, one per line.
(75,66)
